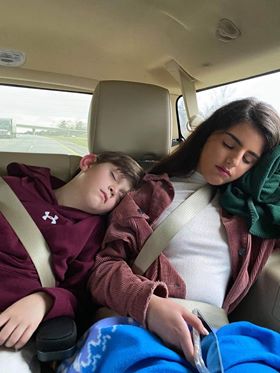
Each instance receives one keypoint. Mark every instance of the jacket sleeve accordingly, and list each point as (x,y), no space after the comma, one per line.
(112,282)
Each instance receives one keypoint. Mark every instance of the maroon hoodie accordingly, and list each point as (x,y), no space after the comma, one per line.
(73,237)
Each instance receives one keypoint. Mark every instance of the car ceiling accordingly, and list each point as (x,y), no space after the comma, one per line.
(76,43)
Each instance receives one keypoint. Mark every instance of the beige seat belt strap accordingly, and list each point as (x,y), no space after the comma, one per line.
(159,239)
(28,233)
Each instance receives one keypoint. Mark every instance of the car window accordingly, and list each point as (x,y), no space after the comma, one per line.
(43,121)
(265,88)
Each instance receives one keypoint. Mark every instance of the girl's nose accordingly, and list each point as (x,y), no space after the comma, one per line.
(234,160)
(229,162)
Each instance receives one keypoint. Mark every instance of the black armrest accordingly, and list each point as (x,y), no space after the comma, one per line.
(56,339)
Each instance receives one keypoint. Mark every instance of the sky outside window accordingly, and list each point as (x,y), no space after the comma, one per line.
(265,88)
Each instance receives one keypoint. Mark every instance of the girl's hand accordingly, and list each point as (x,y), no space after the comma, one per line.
(19,321)
(170,321)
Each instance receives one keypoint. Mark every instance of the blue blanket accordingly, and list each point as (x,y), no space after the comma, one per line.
(118,345)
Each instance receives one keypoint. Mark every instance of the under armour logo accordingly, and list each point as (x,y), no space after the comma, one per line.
(48,216)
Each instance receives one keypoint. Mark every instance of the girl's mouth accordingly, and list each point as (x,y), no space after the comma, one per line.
(223,170)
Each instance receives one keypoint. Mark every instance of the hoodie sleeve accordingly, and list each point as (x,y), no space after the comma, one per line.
(67,294)
(64,303)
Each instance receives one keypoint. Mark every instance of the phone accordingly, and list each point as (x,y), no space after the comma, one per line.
(216,360)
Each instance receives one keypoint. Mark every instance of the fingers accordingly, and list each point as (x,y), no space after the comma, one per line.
(19,337)
(186,338)
(15,335)
(6,330)
(187,345)
(23,338)
(17,324)
(3,319)
(195,322)
(170,322)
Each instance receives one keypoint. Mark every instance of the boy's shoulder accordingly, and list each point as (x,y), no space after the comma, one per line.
(33,172)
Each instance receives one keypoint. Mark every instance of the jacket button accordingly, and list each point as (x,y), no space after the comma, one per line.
(140,211)
(241,251)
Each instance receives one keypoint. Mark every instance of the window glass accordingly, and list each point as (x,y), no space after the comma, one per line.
(265,88)
(182,117)
(43,121)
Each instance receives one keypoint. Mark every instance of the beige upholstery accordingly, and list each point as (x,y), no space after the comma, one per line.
(262,304)
(214,315)
(134,118)
(62,166)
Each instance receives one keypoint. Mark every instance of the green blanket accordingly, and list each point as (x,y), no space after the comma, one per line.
(256,196)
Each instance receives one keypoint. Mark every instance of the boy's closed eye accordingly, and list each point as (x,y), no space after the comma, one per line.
(114,175)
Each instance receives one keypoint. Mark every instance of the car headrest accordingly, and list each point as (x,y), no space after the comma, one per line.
(62,166)
(130,117)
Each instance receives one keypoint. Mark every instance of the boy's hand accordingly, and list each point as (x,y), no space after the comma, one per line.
(19,321)
(170,321)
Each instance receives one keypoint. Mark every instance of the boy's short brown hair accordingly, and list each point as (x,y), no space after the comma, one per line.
(126,165)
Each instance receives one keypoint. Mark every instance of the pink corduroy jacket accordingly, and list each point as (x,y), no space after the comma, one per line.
(112,282)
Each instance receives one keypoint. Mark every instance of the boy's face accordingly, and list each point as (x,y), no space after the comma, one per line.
(103,186)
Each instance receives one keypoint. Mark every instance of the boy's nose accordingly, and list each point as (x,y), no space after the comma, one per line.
(112,191)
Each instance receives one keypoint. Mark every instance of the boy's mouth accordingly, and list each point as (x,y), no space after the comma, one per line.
(105,197)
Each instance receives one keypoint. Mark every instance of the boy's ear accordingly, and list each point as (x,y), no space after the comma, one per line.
(87,161)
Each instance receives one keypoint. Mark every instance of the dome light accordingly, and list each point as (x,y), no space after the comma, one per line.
(11,58)
(227,30)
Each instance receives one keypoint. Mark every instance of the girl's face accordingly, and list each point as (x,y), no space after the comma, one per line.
(227,155)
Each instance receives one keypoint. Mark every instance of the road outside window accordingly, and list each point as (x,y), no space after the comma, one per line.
(43,121)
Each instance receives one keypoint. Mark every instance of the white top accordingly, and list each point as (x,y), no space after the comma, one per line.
(199,251)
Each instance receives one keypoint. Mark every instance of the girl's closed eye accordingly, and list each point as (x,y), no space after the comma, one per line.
(228,145)
(248,159)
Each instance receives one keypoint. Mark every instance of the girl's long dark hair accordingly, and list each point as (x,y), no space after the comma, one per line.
(184,160)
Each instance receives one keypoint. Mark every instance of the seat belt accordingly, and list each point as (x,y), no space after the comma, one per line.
(160,237)
(28,233)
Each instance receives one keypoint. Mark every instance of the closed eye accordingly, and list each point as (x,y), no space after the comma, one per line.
(114,176)
(227,145)
(248,159)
